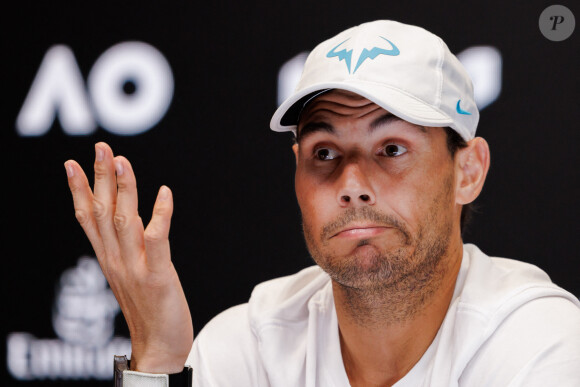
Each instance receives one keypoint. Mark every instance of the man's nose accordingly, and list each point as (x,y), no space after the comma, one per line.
(354,186)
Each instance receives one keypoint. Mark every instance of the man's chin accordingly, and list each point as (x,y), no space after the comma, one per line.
(366,256)
(367,249)
(365,267)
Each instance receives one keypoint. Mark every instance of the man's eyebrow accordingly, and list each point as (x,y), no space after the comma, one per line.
(313,127)
(383,120)
(321,126)
(388,118)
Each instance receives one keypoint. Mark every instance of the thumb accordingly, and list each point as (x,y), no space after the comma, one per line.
(157,232)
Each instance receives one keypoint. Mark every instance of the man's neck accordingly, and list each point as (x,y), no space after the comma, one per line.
(384,333)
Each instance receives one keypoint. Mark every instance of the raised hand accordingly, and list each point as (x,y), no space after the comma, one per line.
(135,261)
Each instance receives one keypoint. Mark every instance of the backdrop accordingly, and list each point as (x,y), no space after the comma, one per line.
(186,93)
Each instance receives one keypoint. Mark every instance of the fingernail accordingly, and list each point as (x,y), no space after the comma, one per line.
(119,167)
(70,172)
(163,193)
(100,153)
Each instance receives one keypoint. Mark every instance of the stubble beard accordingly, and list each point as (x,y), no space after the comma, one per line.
(395,282)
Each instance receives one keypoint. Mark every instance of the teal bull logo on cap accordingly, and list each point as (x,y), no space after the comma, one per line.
(371,54)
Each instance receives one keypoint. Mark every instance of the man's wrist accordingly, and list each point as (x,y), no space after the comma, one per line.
(156,365)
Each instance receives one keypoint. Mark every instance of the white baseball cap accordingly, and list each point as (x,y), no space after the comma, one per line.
(405,69)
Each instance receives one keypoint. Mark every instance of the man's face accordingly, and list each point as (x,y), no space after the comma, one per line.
(376,193)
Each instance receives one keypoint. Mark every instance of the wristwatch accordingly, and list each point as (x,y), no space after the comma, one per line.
(124,377)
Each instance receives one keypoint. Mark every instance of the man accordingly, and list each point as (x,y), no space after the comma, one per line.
(386,159)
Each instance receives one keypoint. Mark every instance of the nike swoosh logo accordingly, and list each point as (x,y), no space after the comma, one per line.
(371,54)
(460,110)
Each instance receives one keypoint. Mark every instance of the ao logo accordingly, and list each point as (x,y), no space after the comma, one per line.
(129,90)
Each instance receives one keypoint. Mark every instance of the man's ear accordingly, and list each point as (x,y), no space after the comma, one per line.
(295,149)
(471,166)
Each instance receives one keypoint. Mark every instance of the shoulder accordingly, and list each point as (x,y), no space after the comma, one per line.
(228,348)
(529,328)
(287,298)
(495,285)
(538,344)
(225,349)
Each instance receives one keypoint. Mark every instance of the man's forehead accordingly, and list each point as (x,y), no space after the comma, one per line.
(338,96)
(320,111)
(336,102)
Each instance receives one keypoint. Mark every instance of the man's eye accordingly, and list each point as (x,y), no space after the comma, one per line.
(325,154)
(394,150)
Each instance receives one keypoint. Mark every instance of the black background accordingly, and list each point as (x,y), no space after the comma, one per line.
(236,219)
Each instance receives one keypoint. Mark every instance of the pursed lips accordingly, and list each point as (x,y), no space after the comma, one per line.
(360,231)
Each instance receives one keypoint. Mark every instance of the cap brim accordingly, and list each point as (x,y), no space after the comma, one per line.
(393,100)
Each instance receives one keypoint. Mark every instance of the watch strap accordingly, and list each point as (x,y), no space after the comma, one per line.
(127,378)
(182,379)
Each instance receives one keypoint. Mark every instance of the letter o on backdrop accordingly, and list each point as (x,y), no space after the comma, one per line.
(147,69)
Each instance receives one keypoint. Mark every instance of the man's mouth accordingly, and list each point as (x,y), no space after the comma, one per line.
(360,231)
